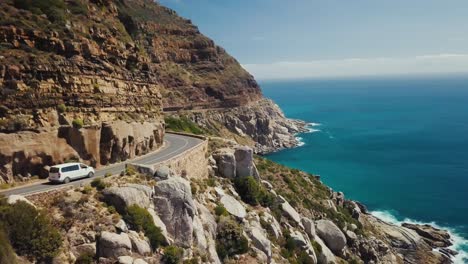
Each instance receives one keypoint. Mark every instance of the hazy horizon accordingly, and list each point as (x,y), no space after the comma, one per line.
(311,38)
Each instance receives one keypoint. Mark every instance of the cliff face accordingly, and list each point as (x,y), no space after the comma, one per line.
(262,125)
(105,66)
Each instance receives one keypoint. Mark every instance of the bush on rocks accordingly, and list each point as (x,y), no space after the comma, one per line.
(230,240)
(7,255)
(78,123)
(30,231)
(140,219)
(172,255)
(252,192)
(98,184)
(221,211)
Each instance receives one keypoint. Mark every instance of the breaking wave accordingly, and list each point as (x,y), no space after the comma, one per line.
(460,244)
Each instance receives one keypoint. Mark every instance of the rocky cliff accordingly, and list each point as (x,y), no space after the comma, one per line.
(278,215)
(89,80)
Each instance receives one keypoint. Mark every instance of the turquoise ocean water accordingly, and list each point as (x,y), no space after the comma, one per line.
(399,145)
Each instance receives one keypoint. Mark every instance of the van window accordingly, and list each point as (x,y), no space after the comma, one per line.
(70,168)
(54,170)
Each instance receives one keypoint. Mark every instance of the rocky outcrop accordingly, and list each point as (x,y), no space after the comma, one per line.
(139,245)
(233,206)
(332,235)
(174,205)
(433,236)
(291,212)
(225,162)
(112,245)
(263,122)
(122,197)
(232,163)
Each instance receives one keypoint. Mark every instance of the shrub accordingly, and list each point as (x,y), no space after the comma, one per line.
(230,240)
(30,231)
(130,170)
(221,211)
(98,184)
(87,189)
(54,9)
(140,219)
(7,255)
(172,255)
(86,258)
(107,175)
(252,192)
(78,123)
(182,124)
(61,108)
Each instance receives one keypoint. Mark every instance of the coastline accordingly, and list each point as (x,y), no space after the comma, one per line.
(457,252)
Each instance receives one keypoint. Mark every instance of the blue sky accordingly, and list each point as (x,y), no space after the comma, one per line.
(311,38)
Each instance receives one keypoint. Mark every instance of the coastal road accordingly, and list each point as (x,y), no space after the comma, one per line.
(174,145)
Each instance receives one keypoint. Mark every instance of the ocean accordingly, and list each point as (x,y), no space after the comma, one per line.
(397,144)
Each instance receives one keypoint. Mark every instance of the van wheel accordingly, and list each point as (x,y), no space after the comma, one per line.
(67,180)
(90,175)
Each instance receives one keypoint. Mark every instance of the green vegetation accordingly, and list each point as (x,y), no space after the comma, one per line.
(53,9)
(293,252)
(98,184)
(30,232)
(85,258)
(183,124)
(303,190)
(172,255)
(78,123)
(252,192)
(7,255)
(141,220)
(230,240)
(61,108)
(221,211)
(130,170)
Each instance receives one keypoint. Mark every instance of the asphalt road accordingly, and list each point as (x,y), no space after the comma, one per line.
(174,145)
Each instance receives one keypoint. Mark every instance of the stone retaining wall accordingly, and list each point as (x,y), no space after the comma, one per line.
(193,162)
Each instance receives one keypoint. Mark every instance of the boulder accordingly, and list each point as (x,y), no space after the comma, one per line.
(273,225)
(174,205)
(309,227)
(121,226)
(12,199)
(112,245)
(351,236)
(260,241)
(84,249)
(122,197)
(125,260)
(139,261)
(332,235)
(226,163)
(163,173)
(233,206)
(291,212)
(325,256)
(139,245)
(244,161)
(299,239)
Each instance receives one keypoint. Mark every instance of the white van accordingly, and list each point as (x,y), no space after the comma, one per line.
(70,171)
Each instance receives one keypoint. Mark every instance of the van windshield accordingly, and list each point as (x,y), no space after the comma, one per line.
(54,170)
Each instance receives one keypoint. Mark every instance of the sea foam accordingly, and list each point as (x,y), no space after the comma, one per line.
(460,244)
